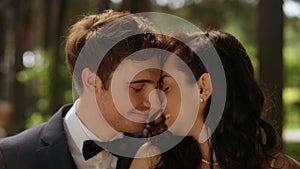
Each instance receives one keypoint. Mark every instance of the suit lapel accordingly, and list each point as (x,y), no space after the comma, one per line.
(54,152)
(56,156)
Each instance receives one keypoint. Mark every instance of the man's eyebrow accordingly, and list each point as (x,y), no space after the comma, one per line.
(141,81)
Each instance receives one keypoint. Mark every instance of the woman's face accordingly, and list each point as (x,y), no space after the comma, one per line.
(172,92)
(182,101)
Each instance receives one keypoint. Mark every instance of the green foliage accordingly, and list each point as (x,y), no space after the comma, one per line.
(292,149)
(291,98)
(35,119)
(291,52)
(38,94)
(236,17)
(291,94)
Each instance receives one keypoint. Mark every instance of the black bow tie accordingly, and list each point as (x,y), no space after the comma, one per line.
(126,146)
(90,149)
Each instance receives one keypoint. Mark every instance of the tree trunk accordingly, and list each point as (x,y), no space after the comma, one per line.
(23,40)
(47,24)
(136,6)
(3,91)
(271,58)
(103,5)
(57,11)
(5,6)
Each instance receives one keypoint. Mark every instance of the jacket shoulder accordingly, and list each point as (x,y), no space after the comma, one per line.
(24,148)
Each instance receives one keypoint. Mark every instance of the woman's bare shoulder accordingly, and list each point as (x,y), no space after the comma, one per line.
(284,161)
(147,157)
(147,150)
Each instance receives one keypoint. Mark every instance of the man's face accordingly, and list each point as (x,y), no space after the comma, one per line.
(131,97)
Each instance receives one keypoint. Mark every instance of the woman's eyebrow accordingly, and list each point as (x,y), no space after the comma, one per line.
(142,81)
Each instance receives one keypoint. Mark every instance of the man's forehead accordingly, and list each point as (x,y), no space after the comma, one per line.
(147,76)
(131,71)
(130,67)
(154,60)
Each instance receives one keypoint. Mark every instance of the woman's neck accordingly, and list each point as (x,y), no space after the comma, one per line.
(205,151)
(204,142)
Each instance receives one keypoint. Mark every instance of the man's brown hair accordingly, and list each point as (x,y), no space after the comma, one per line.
(90,28)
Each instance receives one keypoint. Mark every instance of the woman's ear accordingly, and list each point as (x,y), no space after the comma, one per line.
(90,81)
(205,86)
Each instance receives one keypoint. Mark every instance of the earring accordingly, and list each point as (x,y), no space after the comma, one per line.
(201,100)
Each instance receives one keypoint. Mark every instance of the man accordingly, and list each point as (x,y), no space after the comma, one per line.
(114,97)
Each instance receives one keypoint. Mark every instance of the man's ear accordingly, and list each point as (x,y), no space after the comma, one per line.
(205,86)
(90,80)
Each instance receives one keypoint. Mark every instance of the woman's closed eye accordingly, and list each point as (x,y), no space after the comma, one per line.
(163,84)
(165,88)
(137,87)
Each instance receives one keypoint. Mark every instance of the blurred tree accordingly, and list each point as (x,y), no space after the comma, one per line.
(235,16)
(5,7)
(58,18)
(209,10)
(135,6)
(23,39)
(270,56)
(54,17)
(291,52)
(2,53)
(103,5)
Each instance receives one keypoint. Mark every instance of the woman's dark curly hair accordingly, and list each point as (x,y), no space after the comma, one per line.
(242,140)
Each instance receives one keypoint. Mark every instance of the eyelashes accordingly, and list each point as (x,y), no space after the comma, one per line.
(163,86)
(137,89)
(166,89)
(141,88)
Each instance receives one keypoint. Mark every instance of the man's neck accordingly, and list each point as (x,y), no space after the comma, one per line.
(90,115)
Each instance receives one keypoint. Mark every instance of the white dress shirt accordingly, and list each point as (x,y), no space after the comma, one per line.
(76,133)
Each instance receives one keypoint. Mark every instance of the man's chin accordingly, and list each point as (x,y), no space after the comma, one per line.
(138,128)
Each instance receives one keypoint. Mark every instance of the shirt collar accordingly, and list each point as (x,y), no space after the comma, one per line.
(78,131)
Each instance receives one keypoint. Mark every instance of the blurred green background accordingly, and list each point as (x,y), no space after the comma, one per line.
(34,81)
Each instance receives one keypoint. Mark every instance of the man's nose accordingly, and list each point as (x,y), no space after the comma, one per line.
(154,99)
(157,97)
(149,101)
(156,102)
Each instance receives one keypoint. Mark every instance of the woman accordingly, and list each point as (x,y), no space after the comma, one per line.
(242,140)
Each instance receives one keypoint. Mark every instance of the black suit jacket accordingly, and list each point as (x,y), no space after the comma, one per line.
(42,147)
